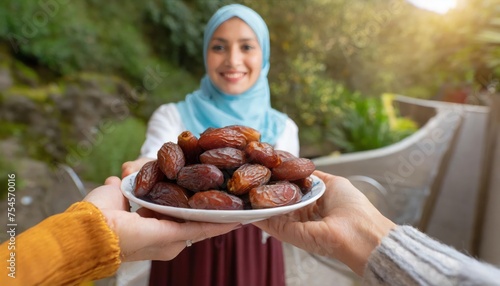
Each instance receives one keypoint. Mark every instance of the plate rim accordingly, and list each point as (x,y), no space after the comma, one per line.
(251,215)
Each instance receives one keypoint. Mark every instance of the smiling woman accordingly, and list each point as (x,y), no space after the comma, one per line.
(438,6)
(234,91)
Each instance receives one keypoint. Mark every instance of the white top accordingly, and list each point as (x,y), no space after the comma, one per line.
(166,124)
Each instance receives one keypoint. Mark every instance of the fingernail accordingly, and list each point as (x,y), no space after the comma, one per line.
(237,226)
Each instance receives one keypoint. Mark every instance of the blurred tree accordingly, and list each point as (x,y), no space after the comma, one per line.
(378,46)
(314,94)
(325,54)
(70,37)
(488,74)
(176,29)
(402,49)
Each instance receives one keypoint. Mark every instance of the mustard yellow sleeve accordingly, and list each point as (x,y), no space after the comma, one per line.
(64,249)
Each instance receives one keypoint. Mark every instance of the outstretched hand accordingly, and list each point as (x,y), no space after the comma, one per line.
(142,234)
(342,224)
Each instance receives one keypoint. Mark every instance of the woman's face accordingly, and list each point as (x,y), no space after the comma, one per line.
(234,57)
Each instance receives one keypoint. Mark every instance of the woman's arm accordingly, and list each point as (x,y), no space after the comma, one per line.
(92,238)
(64,249)
(409,257)
(344,225)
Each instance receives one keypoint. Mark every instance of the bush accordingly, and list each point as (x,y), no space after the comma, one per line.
(369,124)
(122,143)
(69,37)
(177,27)
(314,102)
(172,85)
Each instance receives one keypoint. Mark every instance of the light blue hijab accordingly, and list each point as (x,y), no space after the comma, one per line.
(209,107)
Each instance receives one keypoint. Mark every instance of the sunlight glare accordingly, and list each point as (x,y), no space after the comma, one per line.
(438,6)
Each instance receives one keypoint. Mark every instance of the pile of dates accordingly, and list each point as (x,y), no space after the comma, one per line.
(226,168)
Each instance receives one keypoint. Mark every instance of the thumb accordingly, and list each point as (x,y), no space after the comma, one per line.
(113,181)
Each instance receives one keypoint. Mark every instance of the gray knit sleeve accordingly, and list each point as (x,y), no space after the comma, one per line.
(409,257)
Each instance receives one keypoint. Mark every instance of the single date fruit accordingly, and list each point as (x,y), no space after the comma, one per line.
(293,169)
(200,177)
(215,200)
(224,158)
(146,178)
(171,159)
(250,133)
(262,153)
(169,194)
(304,184)
(189,145)
(275,195)
(220,138)
(285,155)
(247,177)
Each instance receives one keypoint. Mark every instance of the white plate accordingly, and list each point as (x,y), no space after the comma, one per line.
(222,216)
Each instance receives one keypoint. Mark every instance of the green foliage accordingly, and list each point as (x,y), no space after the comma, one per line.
(69,37)
(11,129)
(329,115)
(5,170)
(311,99)
(366,125)
(171,85)
(120,143)
(386,46)
(177,28)
(24,73)
(489,35)
(328,56)
(39,94)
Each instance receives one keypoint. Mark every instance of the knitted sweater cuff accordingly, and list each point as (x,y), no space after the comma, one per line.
(409,257)
(64,249)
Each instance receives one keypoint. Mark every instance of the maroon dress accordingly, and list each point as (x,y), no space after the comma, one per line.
(238,258)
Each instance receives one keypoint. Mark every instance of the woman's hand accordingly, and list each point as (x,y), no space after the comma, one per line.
(142,235)
(134,166)
(342,224)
